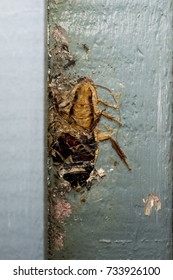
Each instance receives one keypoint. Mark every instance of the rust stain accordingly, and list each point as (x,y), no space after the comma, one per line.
(62,209)
(59,242)
(59,59)
(60,56)
(59,36)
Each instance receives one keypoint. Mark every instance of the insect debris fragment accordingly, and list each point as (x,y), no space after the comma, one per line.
(152,202)
(73,134)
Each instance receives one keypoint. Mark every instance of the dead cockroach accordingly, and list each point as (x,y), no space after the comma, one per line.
(73,132)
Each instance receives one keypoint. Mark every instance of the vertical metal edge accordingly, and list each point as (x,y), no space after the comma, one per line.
(45,128)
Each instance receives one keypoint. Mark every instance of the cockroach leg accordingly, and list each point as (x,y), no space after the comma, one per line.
(110,92)
(106,115)
(115,145)
(116,106)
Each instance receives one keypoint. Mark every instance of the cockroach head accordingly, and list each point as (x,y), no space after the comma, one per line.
(84,79)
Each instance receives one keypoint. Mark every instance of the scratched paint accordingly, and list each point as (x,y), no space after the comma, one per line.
(129,50)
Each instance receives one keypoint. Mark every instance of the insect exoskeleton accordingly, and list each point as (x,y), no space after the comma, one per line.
(73,131)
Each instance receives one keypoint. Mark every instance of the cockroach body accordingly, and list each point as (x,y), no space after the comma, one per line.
(73,132)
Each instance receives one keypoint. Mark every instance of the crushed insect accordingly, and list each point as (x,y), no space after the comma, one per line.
(73,133)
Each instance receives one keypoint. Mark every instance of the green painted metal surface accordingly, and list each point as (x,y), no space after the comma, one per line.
(127,47)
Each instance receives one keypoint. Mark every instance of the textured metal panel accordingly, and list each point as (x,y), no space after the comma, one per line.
(130,51)
(21,131)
